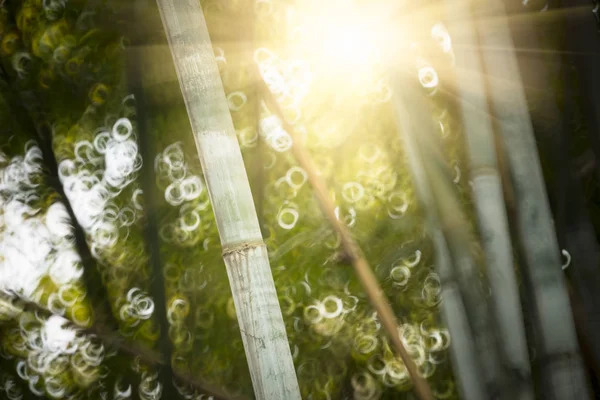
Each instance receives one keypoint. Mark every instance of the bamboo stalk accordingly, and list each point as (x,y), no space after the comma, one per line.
(567,29)
(151,228)
(583,48)
(455,227)
(561,365)
(352,251)
(489,202)
(465,361)
(245,254)
(576,233)
(140,35)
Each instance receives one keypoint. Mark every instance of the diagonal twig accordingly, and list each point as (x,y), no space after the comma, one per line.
(14,305)
(352,250)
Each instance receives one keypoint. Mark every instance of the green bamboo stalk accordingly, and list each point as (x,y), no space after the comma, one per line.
(464,359)
(245,254)
(352,251)
(456,230)
(560,361)
(489,201)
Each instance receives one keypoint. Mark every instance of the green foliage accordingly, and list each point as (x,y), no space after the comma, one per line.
(65,68)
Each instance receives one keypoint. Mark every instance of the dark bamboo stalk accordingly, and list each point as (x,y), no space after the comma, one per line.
(582,46)
(489,202)
(575,230)
(559,356)
(139,36)
(92,280)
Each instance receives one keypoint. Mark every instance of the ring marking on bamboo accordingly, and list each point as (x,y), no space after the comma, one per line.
(239,248)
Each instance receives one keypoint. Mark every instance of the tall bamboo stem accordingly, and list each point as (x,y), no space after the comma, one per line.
(576,27)
(139,37)
(352,252)
(489,202)
(560,361)
(583,48)
(245,254)
(465,361)
(455,227)
(575,232)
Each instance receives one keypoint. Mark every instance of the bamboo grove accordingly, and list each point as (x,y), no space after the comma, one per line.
(299,199)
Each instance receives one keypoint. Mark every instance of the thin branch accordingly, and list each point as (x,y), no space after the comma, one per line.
(15,305)
(352,250)
(140,34)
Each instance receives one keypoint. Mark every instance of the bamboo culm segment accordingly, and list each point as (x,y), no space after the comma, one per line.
(458,234)
(353,252)
(561,366)
(462,350)
(489,201)
(259,316)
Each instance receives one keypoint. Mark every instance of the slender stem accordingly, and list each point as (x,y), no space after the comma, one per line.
(244,252)
(15,305)
(151,228)
(352,251)
(141,34)
(561,364)
(489,202)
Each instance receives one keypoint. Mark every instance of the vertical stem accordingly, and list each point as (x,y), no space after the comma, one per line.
(561,366)
(465,361)
(353,252)
(147,174)
(583,45)
(489,202)
(454,226)
(259,316)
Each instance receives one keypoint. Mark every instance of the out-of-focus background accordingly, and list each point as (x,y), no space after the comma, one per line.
(424,175)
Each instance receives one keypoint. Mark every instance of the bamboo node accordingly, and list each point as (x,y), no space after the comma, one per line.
(241,247)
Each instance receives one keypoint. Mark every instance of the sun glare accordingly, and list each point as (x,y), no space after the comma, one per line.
(347,42)
(340,39)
